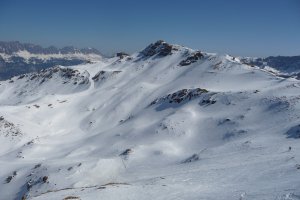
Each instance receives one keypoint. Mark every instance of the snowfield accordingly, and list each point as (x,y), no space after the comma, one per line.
(168,122)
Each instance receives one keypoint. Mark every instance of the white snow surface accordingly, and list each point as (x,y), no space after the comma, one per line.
(122,136)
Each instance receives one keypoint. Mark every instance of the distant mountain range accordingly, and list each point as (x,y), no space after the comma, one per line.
(284,64)
(18,58)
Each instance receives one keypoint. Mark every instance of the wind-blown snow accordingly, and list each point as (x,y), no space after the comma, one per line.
(145,127)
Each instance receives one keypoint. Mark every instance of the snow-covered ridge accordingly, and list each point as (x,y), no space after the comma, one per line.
(29,87)
(283,65)
(167,122)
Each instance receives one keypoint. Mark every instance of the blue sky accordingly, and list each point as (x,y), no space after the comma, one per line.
(237,27)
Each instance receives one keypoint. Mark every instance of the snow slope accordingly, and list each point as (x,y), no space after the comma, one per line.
(168,122)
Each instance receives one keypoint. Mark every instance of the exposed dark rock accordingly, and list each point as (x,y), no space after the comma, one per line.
(102,75)
(122,55)
(194,157)
(67,74)
(226,121)
(127,119)
(98,75)
(45,179)
(180,96)
(9,129)
(71,197)
(233,133)
(37,166)
(207,102)
(191,59)
(8,179)
(35,105)
(159,48)
(126,152)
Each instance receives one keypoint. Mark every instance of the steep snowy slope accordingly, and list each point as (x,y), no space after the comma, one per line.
(168,122)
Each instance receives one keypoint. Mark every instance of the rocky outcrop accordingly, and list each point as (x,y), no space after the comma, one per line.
(122,55)
(9,130)
(180,96)
(159,48)
(103,75)
(68,75)
(192,58)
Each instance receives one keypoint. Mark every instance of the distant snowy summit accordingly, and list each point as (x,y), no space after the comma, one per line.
(19,58)
(284,65)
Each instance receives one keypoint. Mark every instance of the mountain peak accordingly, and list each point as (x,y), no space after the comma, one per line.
(160,48)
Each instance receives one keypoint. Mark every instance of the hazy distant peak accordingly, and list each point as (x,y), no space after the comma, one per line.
(16,46)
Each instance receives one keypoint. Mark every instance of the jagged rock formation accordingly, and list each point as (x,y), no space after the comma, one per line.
(122,55)
(192,58)
(159,48)
(102,75)
(67,75)
(180,96)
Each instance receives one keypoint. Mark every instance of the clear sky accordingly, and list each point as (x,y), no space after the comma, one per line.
(237,27)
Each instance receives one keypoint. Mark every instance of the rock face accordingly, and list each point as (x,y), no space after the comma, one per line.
(102,75)
(180,96)
(122,55)
(9,130)
(19,58)
(191,59)
(159,48)
(68,75)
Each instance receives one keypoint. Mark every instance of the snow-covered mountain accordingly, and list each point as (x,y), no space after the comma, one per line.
(168,122)
(281,65)
(18,58)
